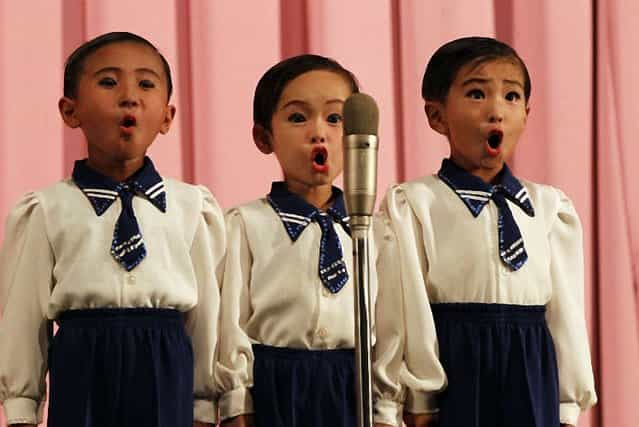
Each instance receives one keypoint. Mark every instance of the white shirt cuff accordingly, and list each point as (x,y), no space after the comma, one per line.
(205,411)
(569,413)
(387,412)
(236,402)
(22,410)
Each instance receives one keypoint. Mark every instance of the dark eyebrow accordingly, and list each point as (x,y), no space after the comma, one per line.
(148,70)
(116,70)
(107,70)
(474,80)
(294,102)
(304,104)
(514,82)
(484,81)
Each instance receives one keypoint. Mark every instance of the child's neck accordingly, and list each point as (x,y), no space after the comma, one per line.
(319,196)
(117,170)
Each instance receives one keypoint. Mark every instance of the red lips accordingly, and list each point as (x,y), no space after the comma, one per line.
(319,158)
(493,142)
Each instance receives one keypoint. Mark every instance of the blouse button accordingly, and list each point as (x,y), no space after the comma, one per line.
(322,333)
(130,278)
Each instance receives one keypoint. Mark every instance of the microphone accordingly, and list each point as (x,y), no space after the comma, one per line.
(361,119)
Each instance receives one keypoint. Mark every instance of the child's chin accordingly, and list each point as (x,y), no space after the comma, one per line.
(322,178)
(492,161)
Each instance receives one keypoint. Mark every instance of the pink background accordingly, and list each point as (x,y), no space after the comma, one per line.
(580,136)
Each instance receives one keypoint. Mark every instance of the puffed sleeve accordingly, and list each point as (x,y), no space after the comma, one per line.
(207,256)
(406,354)
(565,314)
(389,345)
(26,272)
(234,372)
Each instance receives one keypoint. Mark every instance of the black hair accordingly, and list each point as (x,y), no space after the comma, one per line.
(270,87)
(452,56)
(75,62)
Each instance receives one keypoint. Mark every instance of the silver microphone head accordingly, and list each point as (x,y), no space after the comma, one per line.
(361,120)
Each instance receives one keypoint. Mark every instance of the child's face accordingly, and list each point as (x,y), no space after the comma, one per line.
(306,130)
(483,116)
(121,102)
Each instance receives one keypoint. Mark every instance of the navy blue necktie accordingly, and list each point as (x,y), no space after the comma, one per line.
(476,194)
(332,269)
(511,245)
(296,214)
(128,246)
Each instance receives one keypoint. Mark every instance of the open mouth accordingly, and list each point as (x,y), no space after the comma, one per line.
(319,156)
(494,140)
(127,123)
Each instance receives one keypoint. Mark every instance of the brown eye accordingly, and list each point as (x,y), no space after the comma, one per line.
(513,96)
(334,118)
(475,94)
(146,84)
(107,82)
(296,118)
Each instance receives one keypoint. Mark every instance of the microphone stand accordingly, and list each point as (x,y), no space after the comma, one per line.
(360,226)
(360,181)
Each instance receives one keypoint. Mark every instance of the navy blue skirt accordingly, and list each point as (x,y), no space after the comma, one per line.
(121,367)
(501,366)
(303,388)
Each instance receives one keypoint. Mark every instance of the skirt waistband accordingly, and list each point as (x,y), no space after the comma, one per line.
(338,355)
(489,312)
(124,317)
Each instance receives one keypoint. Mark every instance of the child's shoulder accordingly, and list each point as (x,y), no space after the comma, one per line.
(183,189)
(425,189)
(252,211)
(190,195)
(40,203)
(551,204)
(63,191)
(545,196)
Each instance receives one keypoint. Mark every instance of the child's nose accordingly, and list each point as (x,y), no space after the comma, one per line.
(128,96)
(496,113)
(128,102)
(318,133)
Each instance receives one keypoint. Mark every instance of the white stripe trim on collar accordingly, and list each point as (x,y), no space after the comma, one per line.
(155,187)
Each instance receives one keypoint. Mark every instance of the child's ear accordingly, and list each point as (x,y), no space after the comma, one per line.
(435,114)
(66,106)
(262,139)
(169,115)
(527,113)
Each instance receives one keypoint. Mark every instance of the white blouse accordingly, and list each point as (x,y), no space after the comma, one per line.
(432,250)
(56,257)
(272,294)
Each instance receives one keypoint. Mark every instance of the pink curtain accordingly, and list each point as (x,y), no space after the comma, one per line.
(579,136)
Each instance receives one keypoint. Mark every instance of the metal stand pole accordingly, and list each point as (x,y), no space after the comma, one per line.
(359,232)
